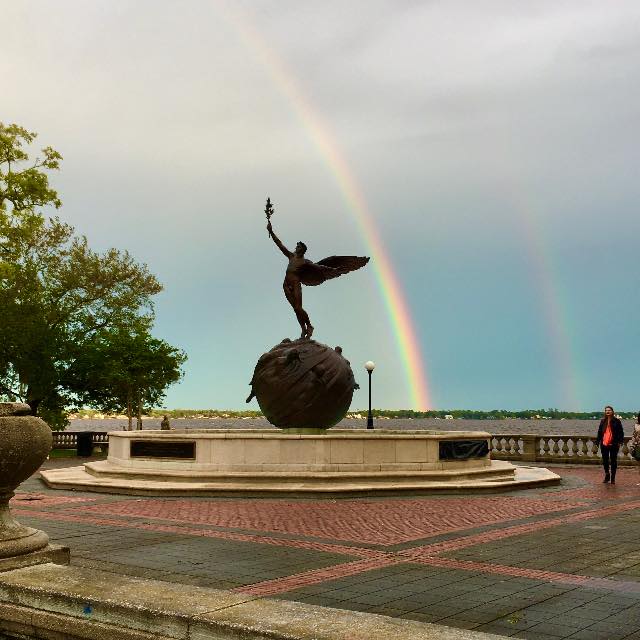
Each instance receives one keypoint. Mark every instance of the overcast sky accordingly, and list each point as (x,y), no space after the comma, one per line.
(496,143)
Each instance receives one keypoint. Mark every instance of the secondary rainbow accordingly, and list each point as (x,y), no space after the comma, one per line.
(390,289)
(564,366)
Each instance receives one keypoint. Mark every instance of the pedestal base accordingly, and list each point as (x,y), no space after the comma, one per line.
(262,462)
(55,553)
(17,540)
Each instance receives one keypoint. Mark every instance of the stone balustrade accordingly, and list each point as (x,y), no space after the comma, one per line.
(553,448)
(69,439)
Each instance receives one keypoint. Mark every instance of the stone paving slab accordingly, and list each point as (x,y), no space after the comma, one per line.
(558,562)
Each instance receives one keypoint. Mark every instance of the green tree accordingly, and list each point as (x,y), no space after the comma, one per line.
(56,293)
(125,369)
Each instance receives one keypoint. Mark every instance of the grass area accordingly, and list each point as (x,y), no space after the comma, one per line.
(69,453)
(62,453)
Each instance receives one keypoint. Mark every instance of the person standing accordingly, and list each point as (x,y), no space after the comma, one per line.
(634,441)
(610,437)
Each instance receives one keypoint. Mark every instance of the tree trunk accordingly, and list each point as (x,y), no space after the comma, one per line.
(129,413)
(34,403)
(139,410)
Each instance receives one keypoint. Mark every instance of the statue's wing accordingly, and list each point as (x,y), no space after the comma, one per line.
(344,264)
(314,273)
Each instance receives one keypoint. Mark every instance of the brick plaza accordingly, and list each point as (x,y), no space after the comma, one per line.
(560,562)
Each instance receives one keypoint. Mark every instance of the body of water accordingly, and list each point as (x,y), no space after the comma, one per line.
(538,427)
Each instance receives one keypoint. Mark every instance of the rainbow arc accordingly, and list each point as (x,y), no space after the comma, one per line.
(389,286)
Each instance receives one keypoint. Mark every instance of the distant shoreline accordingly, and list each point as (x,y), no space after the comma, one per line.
(391,414)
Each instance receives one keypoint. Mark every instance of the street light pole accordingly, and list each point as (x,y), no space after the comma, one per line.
(370,366)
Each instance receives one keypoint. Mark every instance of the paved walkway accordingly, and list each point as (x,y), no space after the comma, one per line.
(562,562)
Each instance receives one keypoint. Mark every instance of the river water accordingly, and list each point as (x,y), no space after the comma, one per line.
(538,427)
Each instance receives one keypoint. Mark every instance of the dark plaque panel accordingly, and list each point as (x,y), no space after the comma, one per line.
(463,449)
(162,449)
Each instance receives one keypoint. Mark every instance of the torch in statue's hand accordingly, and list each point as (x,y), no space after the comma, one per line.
(269,211)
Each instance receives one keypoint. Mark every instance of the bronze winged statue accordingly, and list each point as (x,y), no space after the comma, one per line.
(302,271)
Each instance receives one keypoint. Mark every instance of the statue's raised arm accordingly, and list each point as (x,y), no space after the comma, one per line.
(302,271)
(277,240)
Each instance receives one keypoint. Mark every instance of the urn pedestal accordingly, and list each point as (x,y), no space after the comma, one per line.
(25,442)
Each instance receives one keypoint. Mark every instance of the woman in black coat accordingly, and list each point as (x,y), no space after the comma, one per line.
(610,438)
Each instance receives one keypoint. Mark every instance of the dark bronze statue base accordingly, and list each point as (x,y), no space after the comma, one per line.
(303,384)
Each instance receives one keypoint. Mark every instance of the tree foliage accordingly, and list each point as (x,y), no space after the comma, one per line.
(57,295)
(125,369)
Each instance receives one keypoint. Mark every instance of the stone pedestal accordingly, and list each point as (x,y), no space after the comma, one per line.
(258,462)
(529,452)
(25,442)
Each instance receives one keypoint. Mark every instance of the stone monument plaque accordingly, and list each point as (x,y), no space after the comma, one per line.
(178,450)
(463,449)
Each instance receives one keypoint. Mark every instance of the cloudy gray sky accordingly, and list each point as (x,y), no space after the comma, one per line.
(496,143)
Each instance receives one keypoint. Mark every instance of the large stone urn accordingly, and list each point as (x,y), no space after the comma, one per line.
(25,442)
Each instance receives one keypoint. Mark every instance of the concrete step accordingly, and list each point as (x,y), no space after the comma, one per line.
(74,603)
(502,476)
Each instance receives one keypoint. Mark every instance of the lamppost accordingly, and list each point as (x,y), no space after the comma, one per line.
(369,366)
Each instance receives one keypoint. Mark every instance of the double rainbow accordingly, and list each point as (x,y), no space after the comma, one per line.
(389,286)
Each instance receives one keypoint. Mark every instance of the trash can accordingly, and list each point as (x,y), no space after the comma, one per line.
(85,444)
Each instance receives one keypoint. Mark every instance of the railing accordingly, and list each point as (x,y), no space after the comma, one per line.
(561,449)
(69,439)
(514,447)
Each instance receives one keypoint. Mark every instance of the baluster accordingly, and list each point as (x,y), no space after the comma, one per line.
(554,447)
(494,445)
(511,446)
(544,447)
(580,448)
(570,447)
(625,449)
(520,447)
(503,445)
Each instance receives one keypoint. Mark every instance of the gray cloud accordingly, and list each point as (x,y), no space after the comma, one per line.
(175,125)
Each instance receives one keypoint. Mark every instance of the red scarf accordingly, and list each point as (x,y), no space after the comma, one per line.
(607,438)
